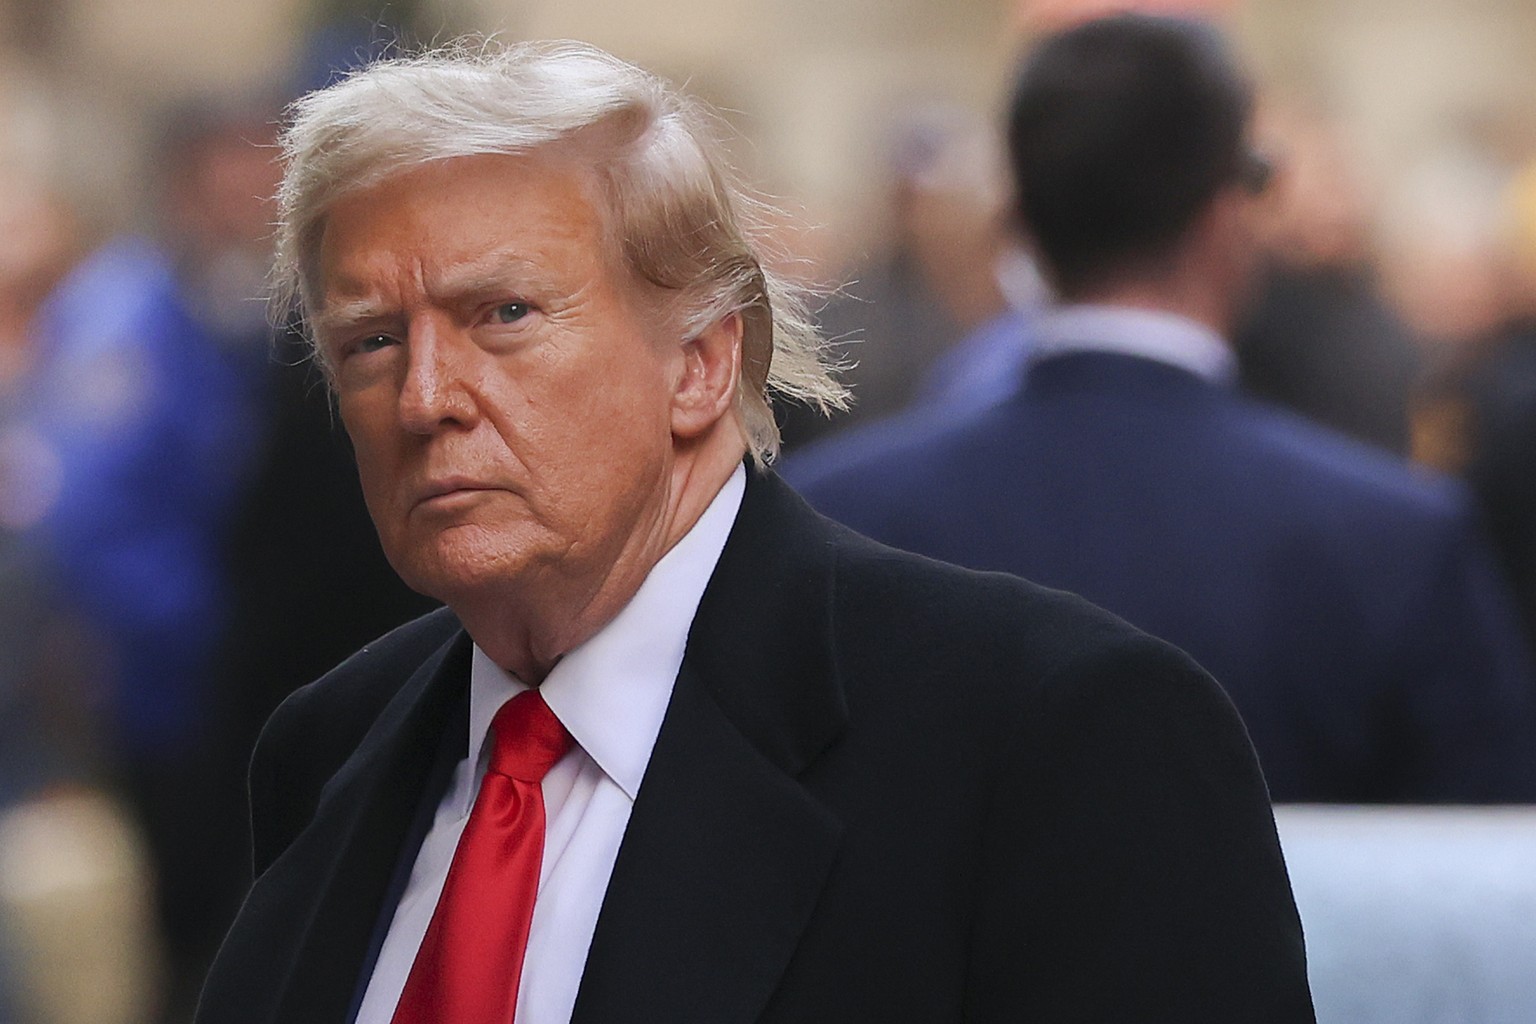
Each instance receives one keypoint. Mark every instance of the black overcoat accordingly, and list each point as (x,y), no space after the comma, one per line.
(885,790)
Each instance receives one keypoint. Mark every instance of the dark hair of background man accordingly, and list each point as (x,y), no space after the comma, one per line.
(1119,134)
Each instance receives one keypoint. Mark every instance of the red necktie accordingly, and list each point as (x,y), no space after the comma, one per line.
(471,959)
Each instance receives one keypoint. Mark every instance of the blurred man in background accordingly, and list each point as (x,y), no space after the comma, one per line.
(1347,604)
(37,246)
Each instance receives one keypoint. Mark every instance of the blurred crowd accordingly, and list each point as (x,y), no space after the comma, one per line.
(1420,343)
(182,543)
(1378,336)
(182,539)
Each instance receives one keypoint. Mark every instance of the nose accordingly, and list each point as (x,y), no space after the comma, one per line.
(437,390)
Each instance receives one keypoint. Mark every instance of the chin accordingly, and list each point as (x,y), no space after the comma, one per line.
(452,566)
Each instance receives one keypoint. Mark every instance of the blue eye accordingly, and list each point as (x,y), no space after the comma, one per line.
(373,343)
(510,312)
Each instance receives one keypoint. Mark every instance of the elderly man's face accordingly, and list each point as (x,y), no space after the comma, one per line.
(508,400)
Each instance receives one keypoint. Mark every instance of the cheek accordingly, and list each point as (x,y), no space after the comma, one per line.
(372,446)
(618,438)
(619,400)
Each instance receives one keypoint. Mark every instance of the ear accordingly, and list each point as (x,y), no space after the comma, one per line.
(1222,256)
(706,389)
(1230,220)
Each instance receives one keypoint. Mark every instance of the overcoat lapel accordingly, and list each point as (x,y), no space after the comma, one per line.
(340,868)
(719,871)
(726,852)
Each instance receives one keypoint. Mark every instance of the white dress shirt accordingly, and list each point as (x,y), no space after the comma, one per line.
(610,693)
(1148,334)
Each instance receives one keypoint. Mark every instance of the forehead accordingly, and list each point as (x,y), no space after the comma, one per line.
(448,217)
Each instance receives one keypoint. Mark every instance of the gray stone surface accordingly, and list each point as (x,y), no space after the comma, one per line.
(1416,915)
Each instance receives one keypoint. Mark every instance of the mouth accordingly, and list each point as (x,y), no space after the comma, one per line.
(449,492)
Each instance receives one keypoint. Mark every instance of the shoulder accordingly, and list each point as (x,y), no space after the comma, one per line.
(884,443)
(315,730)
(1005,642)
(1344,469)
(890,463)
(894,618)
(893,585)
(340,705)
(1116,783)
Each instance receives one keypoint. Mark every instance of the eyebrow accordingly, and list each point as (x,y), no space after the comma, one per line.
(343,316)
(494,272)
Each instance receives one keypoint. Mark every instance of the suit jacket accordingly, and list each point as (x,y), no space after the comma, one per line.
(1345,602)
(885,789)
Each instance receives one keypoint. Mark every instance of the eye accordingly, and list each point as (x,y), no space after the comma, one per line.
(349,348)
(510,312)
(372,343)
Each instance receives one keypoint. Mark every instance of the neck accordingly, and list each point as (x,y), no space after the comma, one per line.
(1192,302)
(527,631)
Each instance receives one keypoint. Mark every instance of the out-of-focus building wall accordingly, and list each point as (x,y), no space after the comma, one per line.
(1400,74)
(810,83)
(1436,102)
(81,80)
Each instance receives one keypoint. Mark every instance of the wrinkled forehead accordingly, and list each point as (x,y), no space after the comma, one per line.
(457,234)
(445,206)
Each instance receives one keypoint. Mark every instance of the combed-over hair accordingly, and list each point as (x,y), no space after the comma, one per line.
(680,218)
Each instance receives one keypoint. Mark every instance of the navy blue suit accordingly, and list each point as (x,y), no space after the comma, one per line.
(1343,600)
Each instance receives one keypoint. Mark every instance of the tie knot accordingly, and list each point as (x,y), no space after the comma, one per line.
(526,738)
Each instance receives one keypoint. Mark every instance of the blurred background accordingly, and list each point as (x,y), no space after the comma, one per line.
(181,538)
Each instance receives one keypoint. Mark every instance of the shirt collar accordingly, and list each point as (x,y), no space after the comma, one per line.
(611,692)
(1149,334)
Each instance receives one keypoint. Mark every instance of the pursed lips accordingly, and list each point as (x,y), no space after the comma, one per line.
(448,489)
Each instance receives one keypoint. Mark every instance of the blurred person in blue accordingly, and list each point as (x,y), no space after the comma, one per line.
(35,247)
(53,809)
(37,238)
(147,396)
(1346,603)
(938,317)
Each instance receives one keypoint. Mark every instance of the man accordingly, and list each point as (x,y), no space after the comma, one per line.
(1343,601)
(751,766)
